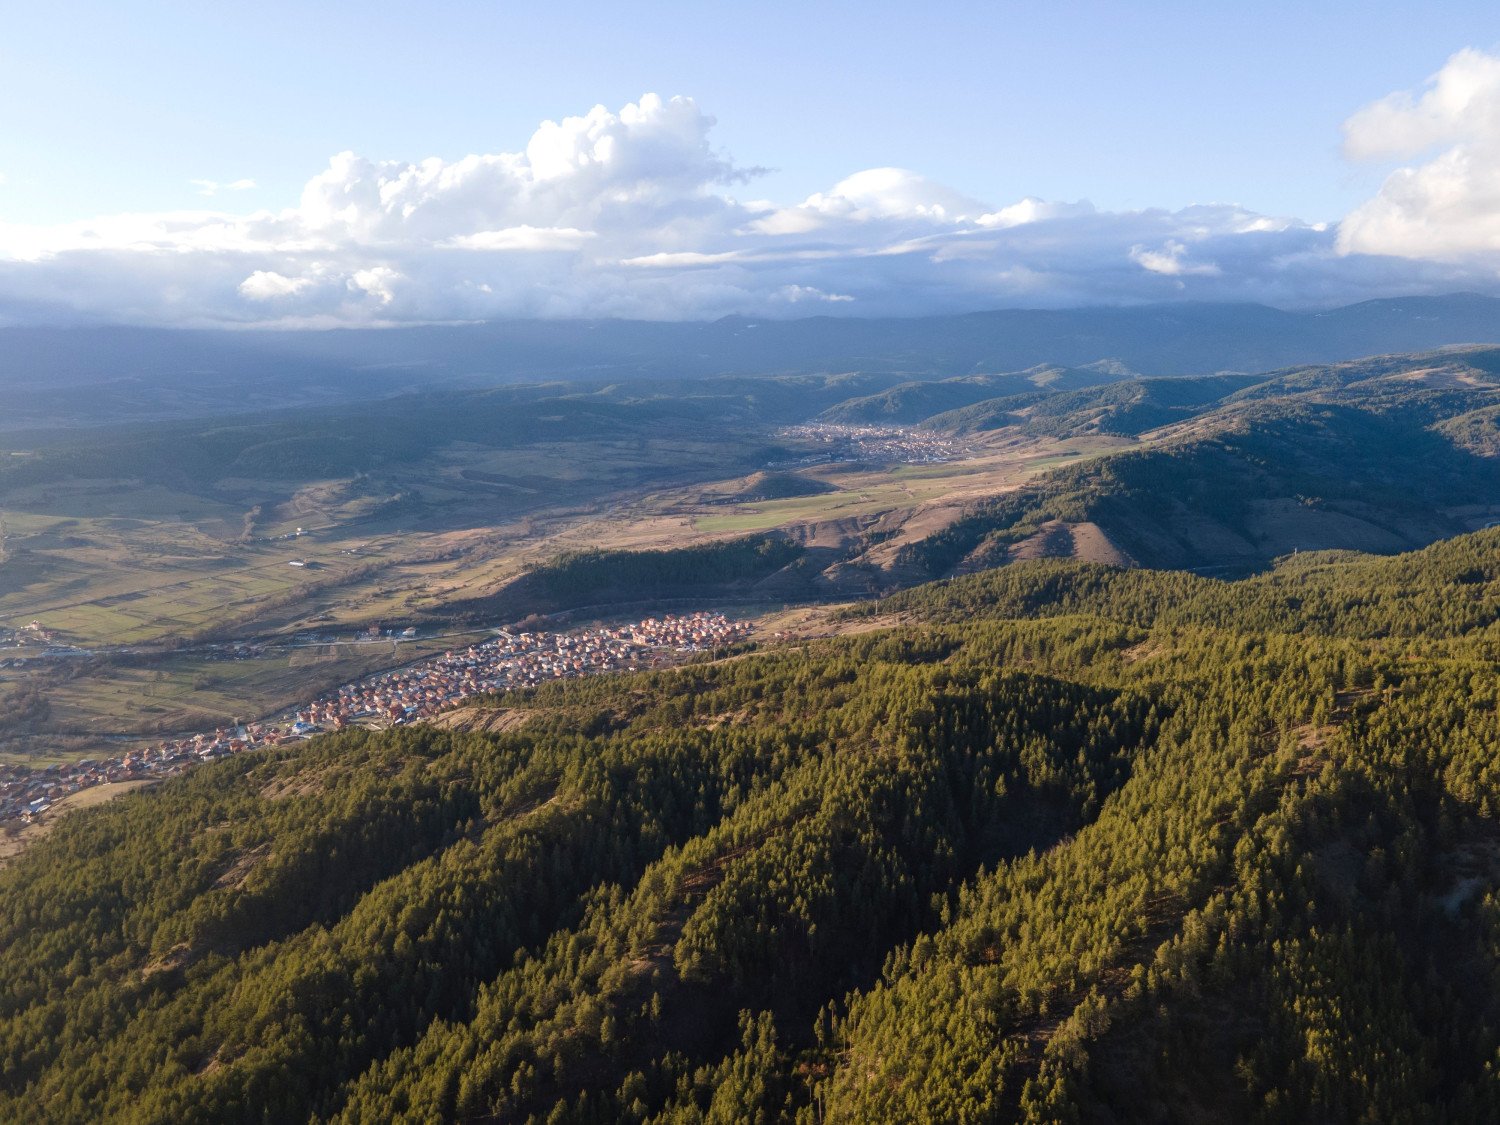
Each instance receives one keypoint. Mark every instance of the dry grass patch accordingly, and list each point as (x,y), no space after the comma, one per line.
(483,720)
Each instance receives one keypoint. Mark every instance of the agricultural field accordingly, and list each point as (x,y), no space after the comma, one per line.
(184,565)
(125,592)
(176,693)
(990,467)
(129,557)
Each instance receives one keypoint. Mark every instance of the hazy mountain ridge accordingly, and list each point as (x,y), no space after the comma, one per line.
(1383,454)
(154,373)
(913,402)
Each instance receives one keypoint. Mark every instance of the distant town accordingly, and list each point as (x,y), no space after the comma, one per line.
(891,444)
(405,695)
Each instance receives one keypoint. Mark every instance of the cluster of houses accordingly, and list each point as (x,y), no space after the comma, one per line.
(511,660)
(34,633)
(418,691)
(27,793)
(845,442)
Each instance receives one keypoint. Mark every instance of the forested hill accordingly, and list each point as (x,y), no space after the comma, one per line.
(1049,843)
(1227,473)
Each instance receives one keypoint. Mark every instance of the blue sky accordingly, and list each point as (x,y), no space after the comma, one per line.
(158,108)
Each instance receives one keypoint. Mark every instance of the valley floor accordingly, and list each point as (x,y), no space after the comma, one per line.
(176,620)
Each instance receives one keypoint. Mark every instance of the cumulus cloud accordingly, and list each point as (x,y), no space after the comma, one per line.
(1461,101)
(267,285)
(635,213)
(1447,207)
(377,282)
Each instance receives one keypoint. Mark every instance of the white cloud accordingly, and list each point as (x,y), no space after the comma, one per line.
(1461,102)
(684,258)
(378,282)
(213,187)
(876,193)
(1169,261)
(633,213)
(1446,208)
(522,238)
(267,285)
(800,294)
(1033,210)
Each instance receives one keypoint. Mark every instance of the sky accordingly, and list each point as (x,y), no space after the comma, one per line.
(310,164)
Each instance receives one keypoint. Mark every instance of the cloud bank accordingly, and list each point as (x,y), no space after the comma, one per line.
(1446,209)
(635,213)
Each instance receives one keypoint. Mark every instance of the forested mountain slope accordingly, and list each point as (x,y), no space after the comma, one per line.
(1053,843)
(1381,454)
(911,402)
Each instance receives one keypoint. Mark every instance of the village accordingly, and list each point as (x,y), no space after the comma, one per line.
(404,695)
(886,444)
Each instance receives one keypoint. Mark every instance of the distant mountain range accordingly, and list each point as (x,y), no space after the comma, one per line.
(143,373)
(1220,472)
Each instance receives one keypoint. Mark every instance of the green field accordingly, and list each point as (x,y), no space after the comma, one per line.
(863,491)
(153,563)
(195,565)
(184,694)
(766,514)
